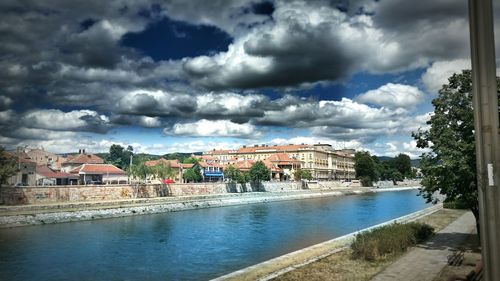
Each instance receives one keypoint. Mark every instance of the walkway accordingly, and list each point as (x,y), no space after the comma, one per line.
(426,261)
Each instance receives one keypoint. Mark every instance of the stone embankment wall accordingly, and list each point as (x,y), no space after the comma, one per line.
(61,194)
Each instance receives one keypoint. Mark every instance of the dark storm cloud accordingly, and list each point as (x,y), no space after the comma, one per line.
(317,41)
(65,61)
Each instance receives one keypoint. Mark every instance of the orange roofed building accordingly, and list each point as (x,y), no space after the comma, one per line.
(322,160)
(100,174)
(81,158)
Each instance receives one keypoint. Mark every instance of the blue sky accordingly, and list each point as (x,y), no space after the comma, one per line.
(189,76)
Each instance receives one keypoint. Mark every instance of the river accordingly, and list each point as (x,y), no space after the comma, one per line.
(190,245)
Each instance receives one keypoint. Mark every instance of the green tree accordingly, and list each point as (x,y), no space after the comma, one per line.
(242,177)
(163,171)
(119,156)
(365,168)
(302,174)
(8,166)
(402,163)
(231,173)
(191,160)
(192,174)
(450,167)
(259,172)
(140,171)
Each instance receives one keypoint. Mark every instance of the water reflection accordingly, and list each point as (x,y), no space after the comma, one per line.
(189,245)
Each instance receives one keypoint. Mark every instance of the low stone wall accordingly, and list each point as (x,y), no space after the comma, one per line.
(72,193)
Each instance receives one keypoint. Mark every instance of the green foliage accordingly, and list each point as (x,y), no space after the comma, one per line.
(177,155)
(8,166)
(192,174)
(379,243)
(231,173)
(243,177)
(140,171)
(365,167)
(302,174)
(455,204)
(402,163)
(163,171)
(394,169)
(259,172)
(451,166)
(190,160)
(119,156)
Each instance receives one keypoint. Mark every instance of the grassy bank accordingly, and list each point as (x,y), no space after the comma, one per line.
(342,265)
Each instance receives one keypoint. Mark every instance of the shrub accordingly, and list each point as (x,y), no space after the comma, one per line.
(455,204)
(388,240)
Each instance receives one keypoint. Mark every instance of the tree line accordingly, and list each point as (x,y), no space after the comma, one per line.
(369,168)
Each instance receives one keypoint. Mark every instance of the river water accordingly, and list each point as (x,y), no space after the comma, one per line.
(190,245)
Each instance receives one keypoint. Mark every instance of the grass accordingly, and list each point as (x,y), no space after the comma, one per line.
(383,242)
(341,266)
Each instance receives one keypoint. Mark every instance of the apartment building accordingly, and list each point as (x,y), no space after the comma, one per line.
(322,160)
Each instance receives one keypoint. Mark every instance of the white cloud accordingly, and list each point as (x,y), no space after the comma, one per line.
(219,128)
(393,96)
(438,73)
(336,144)
(55,119)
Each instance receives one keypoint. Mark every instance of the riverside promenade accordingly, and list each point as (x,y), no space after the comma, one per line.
(426,261)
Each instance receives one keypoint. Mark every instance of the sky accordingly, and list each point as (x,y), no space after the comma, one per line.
(194,75)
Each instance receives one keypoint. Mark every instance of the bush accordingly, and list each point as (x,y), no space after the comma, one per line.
(366,181)
(455,204)
(379,243)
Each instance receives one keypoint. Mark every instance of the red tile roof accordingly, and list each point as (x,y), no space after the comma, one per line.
(97,169)
(283,159)
(47,172)
(84,158)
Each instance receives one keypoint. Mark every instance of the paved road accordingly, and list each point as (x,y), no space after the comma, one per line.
(426,261)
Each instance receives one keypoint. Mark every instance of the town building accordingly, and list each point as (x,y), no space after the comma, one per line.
(26,169)
(42,157)
(81,158)
(322,160)
(100,174)
(47,176)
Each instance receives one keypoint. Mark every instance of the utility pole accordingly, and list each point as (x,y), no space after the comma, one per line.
(486,115)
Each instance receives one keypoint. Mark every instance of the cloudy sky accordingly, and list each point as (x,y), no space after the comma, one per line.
(192,75)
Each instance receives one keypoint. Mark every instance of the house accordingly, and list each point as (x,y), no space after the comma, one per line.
(47,176)
(100,174)
(211,171)
(285,163)
(25,175)
(42,157)
(80,159)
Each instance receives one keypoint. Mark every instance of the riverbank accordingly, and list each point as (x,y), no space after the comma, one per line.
(24,215)
(303,258)
(332,260)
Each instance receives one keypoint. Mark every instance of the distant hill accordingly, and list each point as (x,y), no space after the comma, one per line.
(414,162)
(180,155)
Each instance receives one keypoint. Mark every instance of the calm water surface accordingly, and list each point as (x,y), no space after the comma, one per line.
(189,245)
